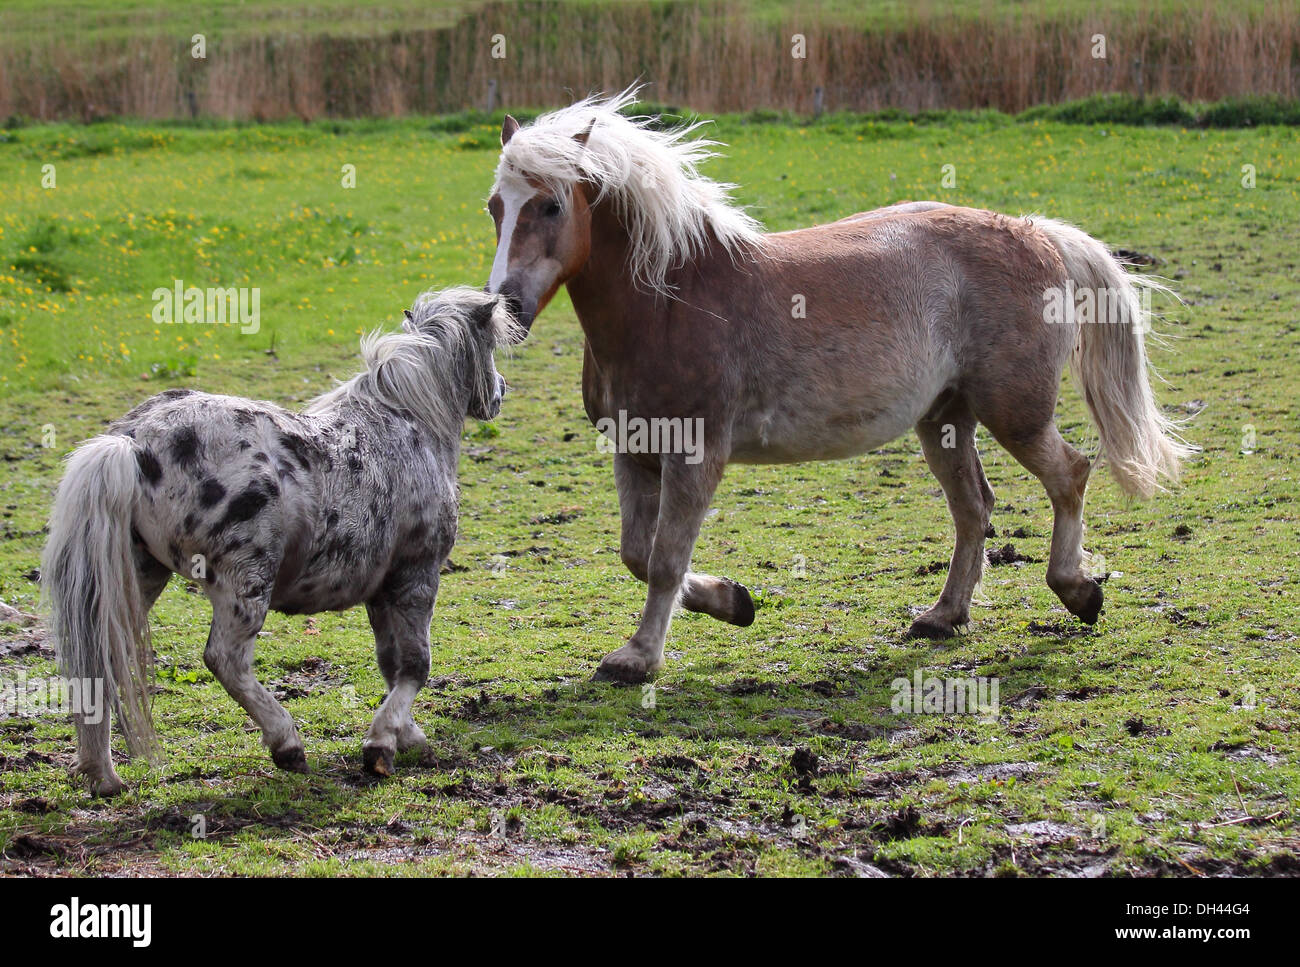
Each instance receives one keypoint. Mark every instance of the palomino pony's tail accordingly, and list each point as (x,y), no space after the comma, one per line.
(1109,363)
(92,589)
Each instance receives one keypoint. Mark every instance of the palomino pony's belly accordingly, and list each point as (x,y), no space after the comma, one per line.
(796,429)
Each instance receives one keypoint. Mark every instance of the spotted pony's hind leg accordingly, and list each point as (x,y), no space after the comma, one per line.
(400,618)
(236,620)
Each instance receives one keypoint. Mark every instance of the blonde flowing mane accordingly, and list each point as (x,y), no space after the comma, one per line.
(668,208)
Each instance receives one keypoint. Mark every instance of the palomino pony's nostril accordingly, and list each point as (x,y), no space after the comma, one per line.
(512,303)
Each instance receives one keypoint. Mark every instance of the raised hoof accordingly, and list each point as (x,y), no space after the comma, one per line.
(292,759)
(378,760)
(1092,607)
(742,606)
(931,628)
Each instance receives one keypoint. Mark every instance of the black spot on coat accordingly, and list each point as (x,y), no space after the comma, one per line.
(243,507)
(184,446)
(211,493)
(299,448)
(150,468)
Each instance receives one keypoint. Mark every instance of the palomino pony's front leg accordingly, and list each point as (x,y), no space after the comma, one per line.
(948,441)
(638,504)
(684,495)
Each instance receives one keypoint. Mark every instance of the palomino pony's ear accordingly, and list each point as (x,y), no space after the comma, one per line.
(508,128)
(582,136)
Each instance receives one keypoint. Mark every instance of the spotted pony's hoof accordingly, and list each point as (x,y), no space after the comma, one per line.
(292,759)
(378,760)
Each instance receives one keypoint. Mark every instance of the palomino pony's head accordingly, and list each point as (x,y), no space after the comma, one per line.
(553,172)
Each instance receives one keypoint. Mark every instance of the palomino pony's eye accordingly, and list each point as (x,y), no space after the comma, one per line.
(551,208)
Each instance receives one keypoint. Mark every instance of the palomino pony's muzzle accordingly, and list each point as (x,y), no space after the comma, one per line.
(523,310)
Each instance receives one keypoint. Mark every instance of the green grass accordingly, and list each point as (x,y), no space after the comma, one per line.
(1117,748)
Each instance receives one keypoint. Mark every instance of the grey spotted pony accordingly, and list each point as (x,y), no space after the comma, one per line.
(352,501)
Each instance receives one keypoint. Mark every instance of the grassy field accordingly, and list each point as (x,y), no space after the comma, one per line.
(1162,741)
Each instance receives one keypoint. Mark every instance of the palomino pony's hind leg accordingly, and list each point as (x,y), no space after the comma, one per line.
(638,501)
(1063,472)
(229,656)
(402,647)
(947,436)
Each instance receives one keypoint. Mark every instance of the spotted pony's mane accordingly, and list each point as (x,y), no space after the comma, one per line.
(419,366)
(649,174)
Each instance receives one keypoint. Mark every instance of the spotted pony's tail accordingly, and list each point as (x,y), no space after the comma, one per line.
(91,588)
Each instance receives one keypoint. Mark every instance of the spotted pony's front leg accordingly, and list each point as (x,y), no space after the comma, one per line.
(400,616)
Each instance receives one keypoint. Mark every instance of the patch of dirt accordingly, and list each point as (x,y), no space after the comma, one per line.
(1136,726)
(28,760)
(679,763)
(1085,692)
(992,772)
(1246,752)
(313,674)
(804,762)
(852,731)
(1029,698)
(1044,831)
(1058,629)
(750,686)
(1135,258)
(859,869)
(1007,554)
(562,516)
(29,636)
(907,823)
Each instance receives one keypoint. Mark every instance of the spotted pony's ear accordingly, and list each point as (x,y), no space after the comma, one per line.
(485,314)
(409,324)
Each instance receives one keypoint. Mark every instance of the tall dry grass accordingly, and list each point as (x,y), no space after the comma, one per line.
(711,57)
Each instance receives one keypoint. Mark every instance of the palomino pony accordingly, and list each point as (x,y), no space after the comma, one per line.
(815,344)
(352,501)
